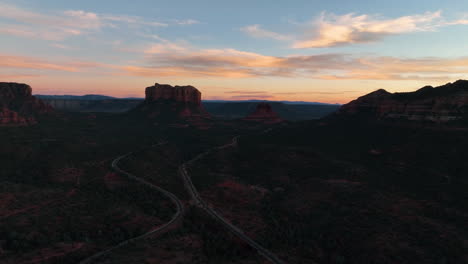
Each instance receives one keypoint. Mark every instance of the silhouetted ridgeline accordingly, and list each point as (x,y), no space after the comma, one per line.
(83,105)
(439,104)
(218,109)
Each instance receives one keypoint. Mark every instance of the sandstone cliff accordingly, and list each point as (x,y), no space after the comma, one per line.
(264,113)
(18,106)
(172,104)
(440,104)
(182,94)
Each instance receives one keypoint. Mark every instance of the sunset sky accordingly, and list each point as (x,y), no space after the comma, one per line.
(328,51)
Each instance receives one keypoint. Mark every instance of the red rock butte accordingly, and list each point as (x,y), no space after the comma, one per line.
(18,106)
(185,94)
(264,113)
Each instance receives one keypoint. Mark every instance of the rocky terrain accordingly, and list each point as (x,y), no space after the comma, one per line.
(220,110)
(264,113)
(167,103)
(341,190)
(18,106)
(438,104)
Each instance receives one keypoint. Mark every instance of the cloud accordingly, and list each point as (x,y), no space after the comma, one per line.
(132,20)
(61,46)
(54,27)
(186,22)
(58,26)
(245,92)
(24,62)
(182,60)
(392,68)
(17,76)
(332,30)
(247,97)
(257,31)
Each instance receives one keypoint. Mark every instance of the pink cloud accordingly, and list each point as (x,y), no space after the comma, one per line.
(23,62)
(181,60)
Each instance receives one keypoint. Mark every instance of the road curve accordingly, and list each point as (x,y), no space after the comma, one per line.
(177,216)
(208,209)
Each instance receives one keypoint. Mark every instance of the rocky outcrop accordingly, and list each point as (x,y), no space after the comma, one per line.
(18,106)
(172,104)
(182,94)
(440,104)
(264,113)
(8,117)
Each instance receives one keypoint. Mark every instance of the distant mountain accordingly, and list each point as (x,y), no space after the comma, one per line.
(268,101)
(293,112)
(438,104)
(76,97)
(105,97)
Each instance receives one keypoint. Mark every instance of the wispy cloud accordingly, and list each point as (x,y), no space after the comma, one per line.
(131,20)
(179,60)
(392,68)
(257,31)
(24,62)
(245,92)
(17,76)
(57,26)
(186,22)
(247,97)
(333,30)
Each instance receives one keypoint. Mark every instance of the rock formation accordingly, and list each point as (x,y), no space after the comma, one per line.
(440,104)
(165,102)
(18,106)
(264,113)
(182,94)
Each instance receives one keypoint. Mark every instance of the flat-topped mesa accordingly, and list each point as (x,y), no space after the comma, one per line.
(12,91)
(264,113)
(185,94)
(18,106)
(166,103)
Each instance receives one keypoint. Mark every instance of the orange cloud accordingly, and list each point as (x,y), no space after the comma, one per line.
(10,61)
(174,59)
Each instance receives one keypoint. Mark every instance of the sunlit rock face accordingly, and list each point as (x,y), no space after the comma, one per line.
(183,94)
(18,106)
(440,104)
(264,113)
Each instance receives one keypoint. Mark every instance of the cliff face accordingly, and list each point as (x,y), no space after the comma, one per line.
(168,103)
(440,104)
(264,113)
(18,106)
(183,94)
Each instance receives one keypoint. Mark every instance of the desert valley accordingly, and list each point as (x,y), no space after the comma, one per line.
(379,180)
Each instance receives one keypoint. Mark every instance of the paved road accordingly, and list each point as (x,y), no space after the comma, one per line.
(176,217)
(202,204)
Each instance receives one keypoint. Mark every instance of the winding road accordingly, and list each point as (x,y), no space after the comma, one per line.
(177,216)
(208,209)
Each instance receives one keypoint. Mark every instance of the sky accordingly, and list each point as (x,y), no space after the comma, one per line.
(298,50)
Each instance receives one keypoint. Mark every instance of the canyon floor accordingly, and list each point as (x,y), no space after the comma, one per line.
(321,191)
